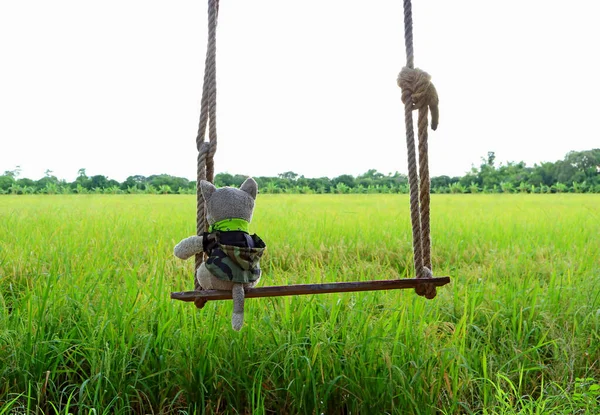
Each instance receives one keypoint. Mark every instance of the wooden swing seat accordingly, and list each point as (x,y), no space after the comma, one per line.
(309,289)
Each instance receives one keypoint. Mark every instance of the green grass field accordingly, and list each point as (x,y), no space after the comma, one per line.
(87,325)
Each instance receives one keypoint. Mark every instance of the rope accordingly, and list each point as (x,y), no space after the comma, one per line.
(208,117)
(418,93)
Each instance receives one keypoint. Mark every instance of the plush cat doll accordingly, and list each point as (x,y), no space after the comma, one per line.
(233,254)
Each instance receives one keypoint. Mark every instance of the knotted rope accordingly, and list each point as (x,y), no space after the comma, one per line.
(208,117)
(418,93)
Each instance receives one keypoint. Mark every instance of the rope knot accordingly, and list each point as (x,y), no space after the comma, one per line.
(426,290)
(418,90)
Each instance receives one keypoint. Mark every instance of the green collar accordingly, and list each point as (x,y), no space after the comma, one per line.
(232,224)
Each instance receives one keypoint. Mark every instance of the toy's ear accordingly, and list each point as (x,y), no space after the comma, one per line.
(249,186)
(207,189)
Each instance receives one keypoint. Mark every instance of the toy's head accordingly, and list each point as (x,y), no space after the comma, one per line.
(229,202)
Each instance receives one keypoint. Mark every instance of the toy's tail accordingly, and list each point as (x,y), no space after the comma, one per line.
(237,293)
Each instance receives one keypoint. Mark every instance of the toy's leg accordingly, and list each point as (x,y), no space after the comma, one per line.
(206,280)
(201,282)
(252,284)
(197,286)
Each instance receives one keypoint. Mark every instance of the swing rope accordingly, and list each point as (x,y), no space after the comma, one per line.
(418,93)
(208,118)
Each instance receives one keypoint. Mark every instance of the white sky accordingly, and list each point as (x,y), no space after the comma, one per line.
(114,86)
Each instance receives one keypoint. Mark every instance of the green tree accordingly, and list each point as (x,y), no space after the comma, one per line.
(345,179)
(579,166)
(342,188)
(80,189)
(513,173)
(440,189)
(404,188)
(488,174)
(523,187)
(48,184)
(371,174)
(457,188)
(473,188)
(371,178)
(186,191)
(507,187)
(98,181)
(151,190)
(113,190)
(470,178)
(137,181)
(561,187)
(82,181)
(580,187)
(14,173)
(6,181)
(164,189)
(321,184)
(359,188)
(544,173)
(443,181)
(133,190)
(238,179)
(271,187)
(15,189)
(223,179)
(288,175)
(174,183)
(50,188)
(24,182)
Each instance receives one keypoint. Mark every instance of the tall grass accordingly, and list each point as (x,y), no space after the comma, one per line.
(87,326)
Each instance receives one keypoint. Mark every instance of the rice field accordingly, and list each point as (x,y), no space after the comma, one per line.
(87,325)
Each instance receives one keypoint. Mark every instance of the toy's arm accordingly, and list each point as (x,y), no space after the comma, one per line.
(189,246)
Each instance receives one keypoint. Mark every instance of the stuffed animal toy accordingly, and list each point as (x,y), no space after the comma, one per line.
(233,254)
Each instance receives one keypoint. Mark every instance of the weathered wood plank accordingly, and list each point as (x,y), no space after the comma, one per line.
(307,289)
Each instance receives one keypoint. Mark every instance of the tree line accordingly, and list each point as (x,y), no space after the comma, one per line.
(578,172)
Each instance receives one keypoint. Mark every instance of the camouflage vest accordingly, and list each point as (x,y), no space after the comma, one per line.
(234,255)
